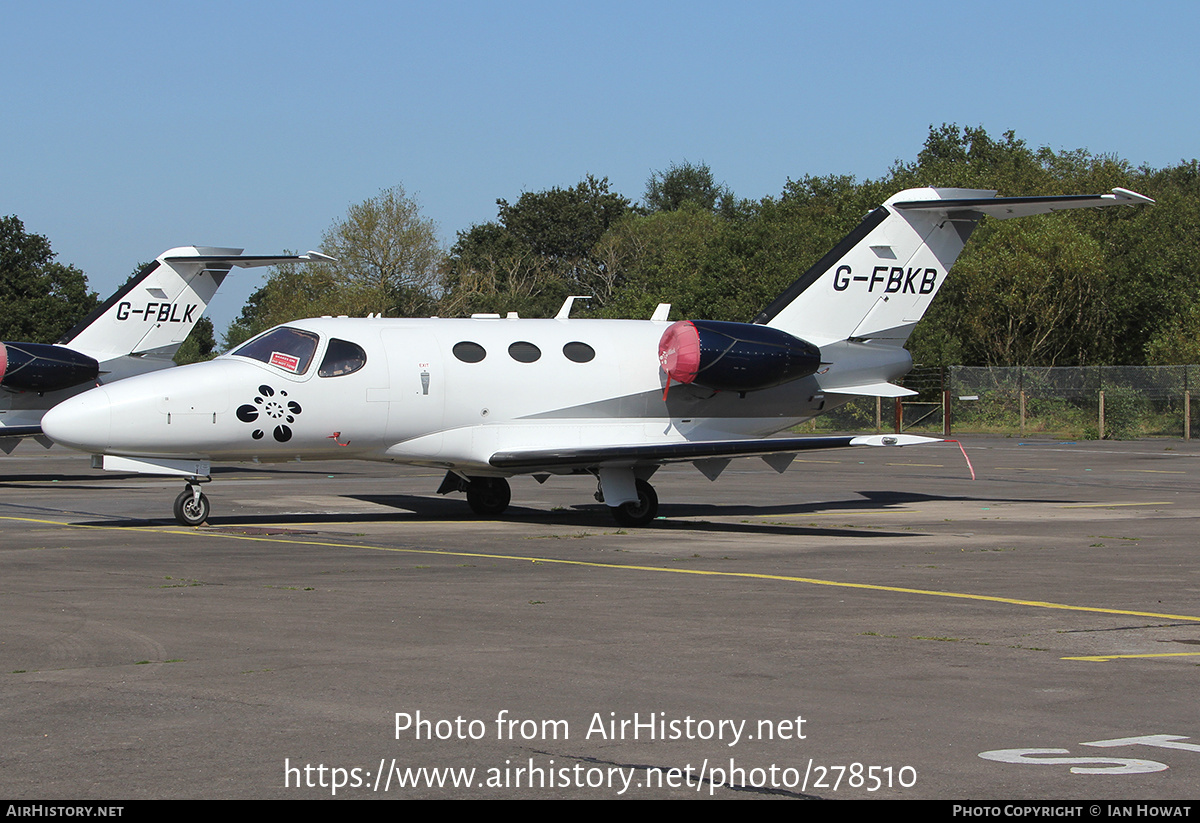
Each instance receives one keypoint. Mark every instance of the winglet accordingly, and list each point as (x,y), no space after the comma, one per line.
(894,440)
(1126,194)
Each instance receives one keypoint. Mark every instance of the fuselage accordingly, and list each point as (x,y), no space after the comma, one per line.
(442,392)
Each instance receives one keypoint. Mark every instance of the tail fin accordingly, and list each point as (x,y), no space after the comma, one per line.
(151,315)
(879,280)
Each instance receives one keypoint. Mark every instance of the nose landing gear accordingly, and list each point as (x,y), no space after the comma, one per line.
(191,506)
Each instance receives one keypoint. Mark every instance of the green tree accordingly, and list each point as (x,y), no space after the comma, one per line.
(1028,292)
(200,344)
(40,300)
(563,224)
(686,183)
(489,269)
(1177,340)
(293,291)
(969,157)
(540,249)
(1154,254)
(662,257)
(386,261)
(387,253)
(1105,314)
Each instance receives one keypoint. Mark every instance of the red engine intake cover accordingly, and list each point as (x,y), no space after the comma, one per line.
(679,351)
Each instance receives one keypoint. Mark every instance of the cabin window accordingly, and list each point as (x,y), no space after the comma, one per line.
(578,352)
(342,357)
(469,352)
(290,350)
(524,352)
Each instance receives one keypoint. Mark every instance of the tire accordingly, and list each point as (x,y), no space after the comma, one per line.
(190,511)
(638,514)
(488,496)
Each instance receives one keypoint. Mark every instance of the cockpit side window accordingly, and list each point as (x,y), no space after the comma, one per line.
(342,357)
(288,349)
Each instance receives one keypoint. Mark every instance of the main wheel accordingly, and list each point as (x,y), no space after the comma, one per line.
(641,512)
(488,496)
(190,510)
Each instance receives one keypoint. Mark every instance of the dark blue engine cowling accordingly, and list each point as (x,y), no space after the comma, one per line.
(735,356)
(42,368)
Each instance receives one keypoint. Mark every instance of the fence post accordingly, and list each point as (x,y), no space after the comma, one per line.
(945,413)
(1102,414)
(1022,413)
(1187,415)
(878,414)
(899,416)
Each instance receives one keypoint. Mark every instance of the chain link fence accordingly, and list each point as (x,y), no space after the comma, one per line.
(1094,402)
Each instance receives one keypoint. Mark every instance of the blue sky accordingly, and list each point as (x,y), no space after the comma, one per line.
(132,127)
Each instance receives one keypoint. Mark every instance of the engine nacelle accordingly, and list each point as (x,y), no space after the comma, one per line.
(42,368)
(734,356)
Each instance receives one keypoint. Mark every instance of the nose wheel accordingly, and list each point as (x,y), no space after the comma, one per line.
(191,506)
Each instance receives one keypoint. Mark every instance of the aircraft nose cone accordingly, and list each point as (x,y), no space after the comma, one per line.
(83,422)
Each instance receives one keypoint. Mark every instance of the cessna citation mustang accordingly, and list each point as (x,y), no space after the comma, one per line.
(487,398)
(138,329)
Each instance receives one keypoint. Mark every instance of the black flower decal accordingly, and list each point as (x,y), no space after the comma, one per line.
(273,408)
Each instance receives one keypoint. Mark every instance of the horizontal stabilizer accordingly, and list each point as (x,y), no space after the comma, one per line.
(249,261)
(1003,208)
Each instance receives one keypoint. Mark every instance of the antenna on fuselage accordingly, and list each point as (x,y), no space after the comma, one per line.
(565,312)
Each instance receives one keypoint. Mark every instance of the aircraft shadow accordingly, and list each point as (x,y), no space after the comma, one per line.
(454,510)
(92,477)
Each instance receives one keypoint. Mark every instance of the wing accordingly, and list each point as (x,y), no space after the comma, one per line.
(529,460)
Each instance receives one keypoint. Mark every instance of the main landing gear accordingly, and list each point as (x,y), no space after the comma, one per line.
(488,496)
(191,506)
(635,515)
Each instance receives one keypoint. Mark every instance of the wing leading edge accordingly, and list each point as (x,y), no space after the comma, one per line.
(586,458)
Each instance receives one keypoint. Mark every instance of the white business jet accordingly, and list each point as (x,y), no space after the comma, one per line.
(488,397)
(137,330)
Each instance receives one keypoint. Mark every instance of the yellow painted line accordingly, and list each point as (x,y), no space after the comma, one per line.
(1023,469)
(926,465)
(1112,505)
(1151,471)
(830,462)
(1103,658)
(985,598)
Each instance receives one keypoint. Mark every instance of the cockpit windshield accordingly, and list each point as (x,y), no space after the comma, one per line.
(288,349)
